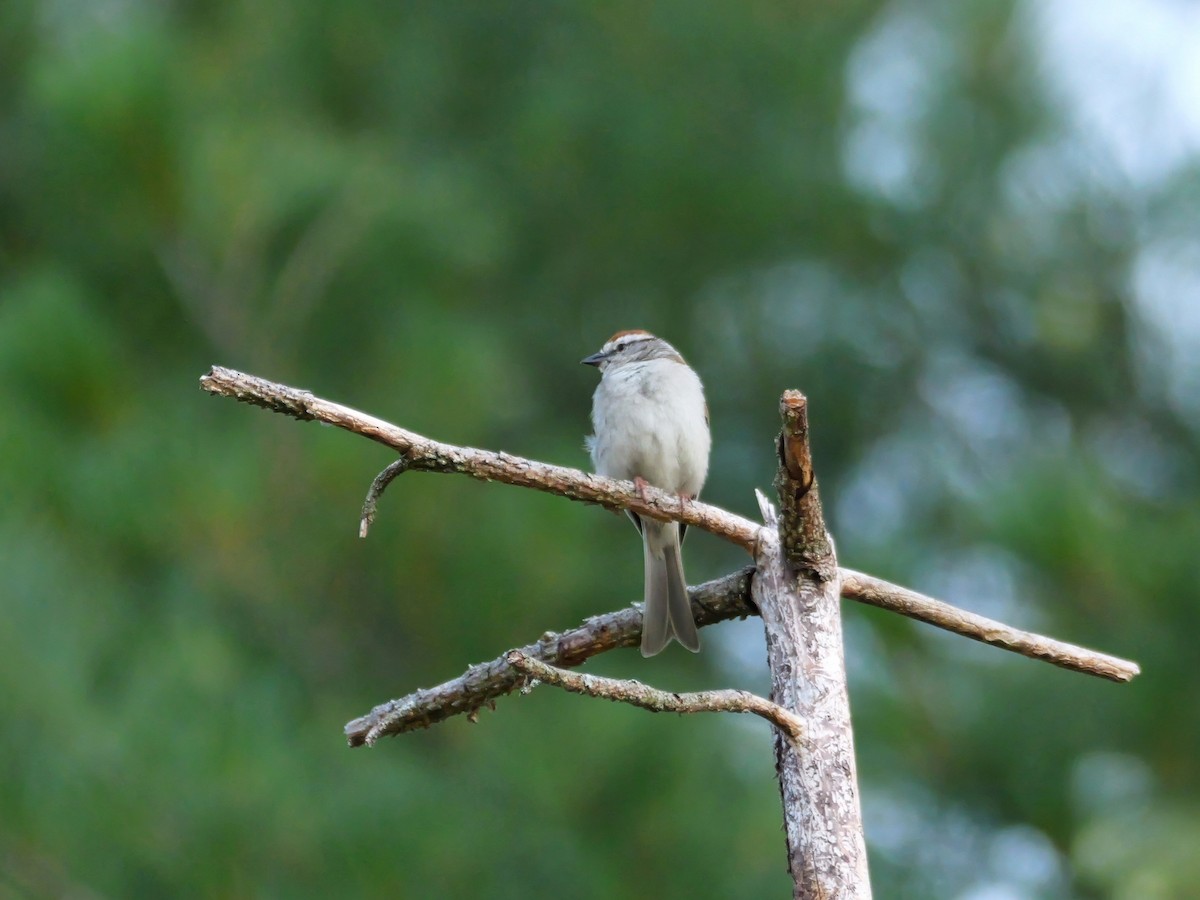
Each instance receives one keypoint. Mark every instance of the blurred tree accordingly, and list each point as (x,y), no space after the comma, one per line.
(966,231)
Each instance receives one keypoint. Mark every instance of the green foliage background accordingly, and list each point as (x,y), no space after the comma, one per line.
(431,211)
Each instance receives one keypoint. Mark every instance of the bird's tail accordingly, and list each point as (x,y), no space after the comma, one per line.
(668,611)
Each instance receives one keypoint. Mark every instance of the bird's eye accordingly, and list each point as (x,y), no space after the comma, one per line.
(620,346)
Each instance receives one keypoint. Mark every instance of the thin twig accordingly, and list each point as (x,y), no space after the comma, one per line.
(877,592)
(482,684)
(645,697)
(378,486)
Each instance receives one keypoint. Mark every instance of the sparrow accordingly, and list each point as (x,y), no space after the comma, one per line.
(651,427)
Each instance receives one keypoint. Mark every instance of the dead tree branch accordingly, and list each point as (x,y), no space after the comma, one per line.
(796,587)
(797,591)
(423,454)
(378,486)
(876,592)
(714,601)
(645,697)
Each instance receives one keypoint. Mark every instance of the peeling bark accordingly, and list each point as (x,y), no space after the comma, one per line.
(797,589)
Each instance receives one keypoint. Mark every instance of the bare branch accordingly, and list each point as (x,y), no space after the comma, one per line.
(797,590)
(796,586)
(428,455)
(655,700)
(480,685)
(877,592)
(716,601)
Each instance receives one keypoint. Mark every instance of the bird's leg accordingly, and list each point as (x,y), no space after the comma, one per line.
(684,498)
(640,484)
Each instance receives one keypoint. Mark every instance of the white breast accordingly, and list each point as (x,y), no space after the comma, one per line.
(649,419)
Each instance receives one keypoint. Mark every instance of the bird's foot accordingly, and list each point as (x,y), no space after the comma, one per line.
(640,484)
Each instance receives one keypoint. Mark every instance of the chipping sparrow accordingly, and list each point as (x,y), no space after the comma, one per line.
(651,426)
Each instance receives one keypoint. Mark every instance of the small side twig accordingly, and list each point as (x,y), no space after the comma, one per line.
(378,486)
(645,697)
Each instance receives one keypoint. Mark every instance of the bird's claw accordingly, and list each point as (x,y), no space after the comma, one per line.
(640,484)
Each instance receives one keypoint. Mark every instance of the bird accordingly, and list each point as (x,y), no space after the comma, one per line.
(651,426)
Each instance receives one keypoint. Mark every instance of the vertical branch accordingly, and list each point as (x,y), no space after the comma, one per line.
(807,546)
(797,588)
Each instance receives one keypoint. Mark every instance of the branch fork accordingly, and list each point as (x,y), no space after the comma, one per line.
(713,602)
(645,697)
(421,453)
(795,586)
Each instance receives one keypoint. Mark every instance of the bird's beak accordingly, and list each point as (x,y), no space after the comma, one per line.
(595,359)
